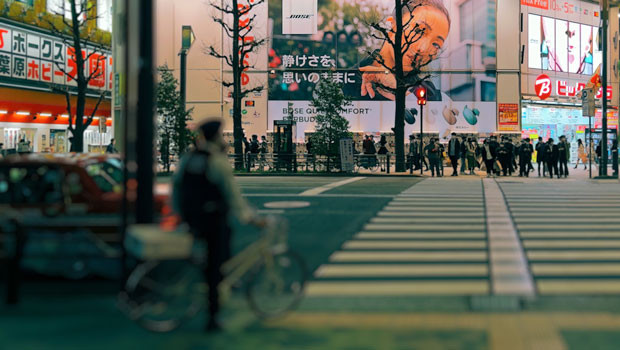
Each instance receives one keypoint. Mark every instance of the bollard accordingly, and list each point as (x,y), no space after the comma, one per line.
(295,163)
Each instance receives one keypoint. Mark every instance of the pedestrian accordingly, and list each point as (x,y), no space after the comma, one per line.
(581,155)
(206,196)
(551,157)
(598,153)
(525,157)
(414,153)
(510,147)
(463,152)
(614,155)
(111,149)
(424,159)
(382,149)
(563,156)
(471,155)
(541,150)
(433,152)
(488,155)
(23,146)
(454,153)
(504,158)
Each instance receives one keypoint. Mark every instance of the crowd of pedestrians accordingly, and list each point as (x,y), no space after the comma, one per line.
(501,157)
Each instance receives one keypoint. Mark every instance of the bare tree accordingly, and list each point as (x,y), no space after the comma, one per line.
(392,76)
(244,43)
(76,33)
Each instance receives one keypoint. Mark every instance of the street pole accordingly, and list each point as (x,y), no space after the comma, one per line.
(590,145)
(183,55)
(145,112)
(421,139)
(605,19)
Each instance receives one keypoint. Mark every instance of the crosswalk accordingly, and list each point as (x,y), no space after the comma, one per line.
(429,240)
(571,234)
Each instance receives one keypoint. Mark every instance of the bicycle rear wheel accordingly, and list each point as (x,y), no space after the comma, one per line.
(161,295)
(277,286)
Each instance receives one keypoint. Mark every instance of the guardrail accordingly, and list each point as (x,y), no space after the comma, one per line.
(304,162)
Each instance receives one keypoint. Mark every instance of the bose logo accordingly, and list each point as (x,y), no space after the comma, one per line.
(300,16)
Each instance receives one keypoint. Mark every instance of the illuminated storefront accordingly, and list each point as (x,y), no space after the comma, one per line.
(560,52)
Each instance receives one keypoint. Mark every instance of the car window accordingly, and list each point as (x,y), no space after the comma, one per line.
(107,175)
(31,184)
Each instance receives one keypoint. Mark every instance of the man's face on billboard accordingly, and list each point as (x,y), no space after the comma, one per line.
(434,27)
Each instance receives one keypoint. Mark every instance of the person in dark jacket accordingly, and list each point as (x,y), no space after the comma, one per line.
(382,148)
(206,197)
(488,156)
(541,150)
(511,155)
(525,157)
(551,157)
(463,155)
(563,156)
(454,153)
(433,152)
(504,157)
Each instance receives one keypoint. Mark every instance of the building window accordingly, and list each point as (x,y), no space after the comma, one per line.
(104,15)
(26,2)
(63,7)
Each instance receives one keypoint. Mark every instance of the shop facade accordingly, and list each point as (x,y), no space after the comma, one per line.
(561,50)
(31,64)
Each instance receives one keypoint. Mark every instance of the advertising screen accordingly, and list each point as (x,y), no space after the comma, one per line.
(562,46)
(457,50)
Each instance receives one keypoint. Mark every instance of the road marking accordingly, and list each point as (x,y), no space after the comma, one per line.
(418,235)
(420,220)
(414,245)
(570,255)
(411,270)
(393,288)
(445,226)
(594,269)
(270,211)
(578,287)
(577,234)
(416,214)
(329,186)
(582,243)
(505,246)
(348,256)
(287,205)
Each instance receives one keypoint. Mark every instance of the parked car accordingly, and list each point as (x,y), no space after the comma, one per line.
(67,183)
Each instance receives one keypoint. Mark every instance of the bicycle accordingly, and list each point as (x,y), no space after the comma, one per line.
(161,295)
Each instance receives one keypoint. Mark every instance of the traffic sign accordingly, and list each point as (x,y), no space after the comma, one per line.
(588,107)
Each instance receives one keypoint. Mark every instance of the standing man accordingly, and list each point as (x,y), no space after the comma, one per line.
(433,152)
(525,158)
(541,150)
(414,153)
(503,155)
(206,196)
(511,155)
(551,157)
(464,143)
(563,156)
(488,156)
(454,153)
(111,149)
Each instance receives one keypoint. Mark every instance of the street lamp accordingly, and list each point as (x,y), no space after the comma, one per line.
(187,39)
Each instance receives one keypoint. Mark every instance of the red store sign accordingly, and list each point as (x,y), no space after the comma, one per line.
(544,88)
(541,4)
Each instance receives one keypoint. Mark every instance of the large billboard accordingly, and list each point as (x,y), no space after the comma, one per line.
(458,40)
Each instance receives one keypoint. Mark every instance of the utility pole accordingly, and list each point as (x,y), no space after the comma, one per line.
(605,25)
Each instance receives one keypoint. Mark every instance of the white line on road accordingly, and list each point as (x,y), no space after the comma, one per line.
(329,186)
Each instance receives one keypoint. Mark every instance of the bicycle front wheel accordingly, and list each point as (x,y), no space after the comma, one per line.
(277,286)
(161,295)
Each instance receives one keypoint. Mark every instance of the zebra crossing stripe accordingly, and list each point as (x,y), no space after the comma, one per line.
(576,234)
(394,288)
(458,221)
(573,255)
(592,269)
(408,256)
(445,226)
(574,286)
(400,270)
(446,244)
(582,243)
(418,235)
(417,214)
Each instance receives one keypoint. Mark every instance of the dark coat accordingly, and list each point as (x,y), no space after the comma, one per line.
(551,153)
(457,148)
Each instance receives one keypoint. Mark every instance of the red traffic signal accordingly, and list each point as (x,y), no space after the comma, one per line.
(420,93)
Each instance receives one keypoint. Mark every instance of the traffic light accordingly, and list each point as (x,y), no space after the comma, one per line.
(420,93)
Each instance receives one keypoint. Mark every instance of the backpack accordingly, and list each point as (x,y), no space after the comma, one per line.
(202,203)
